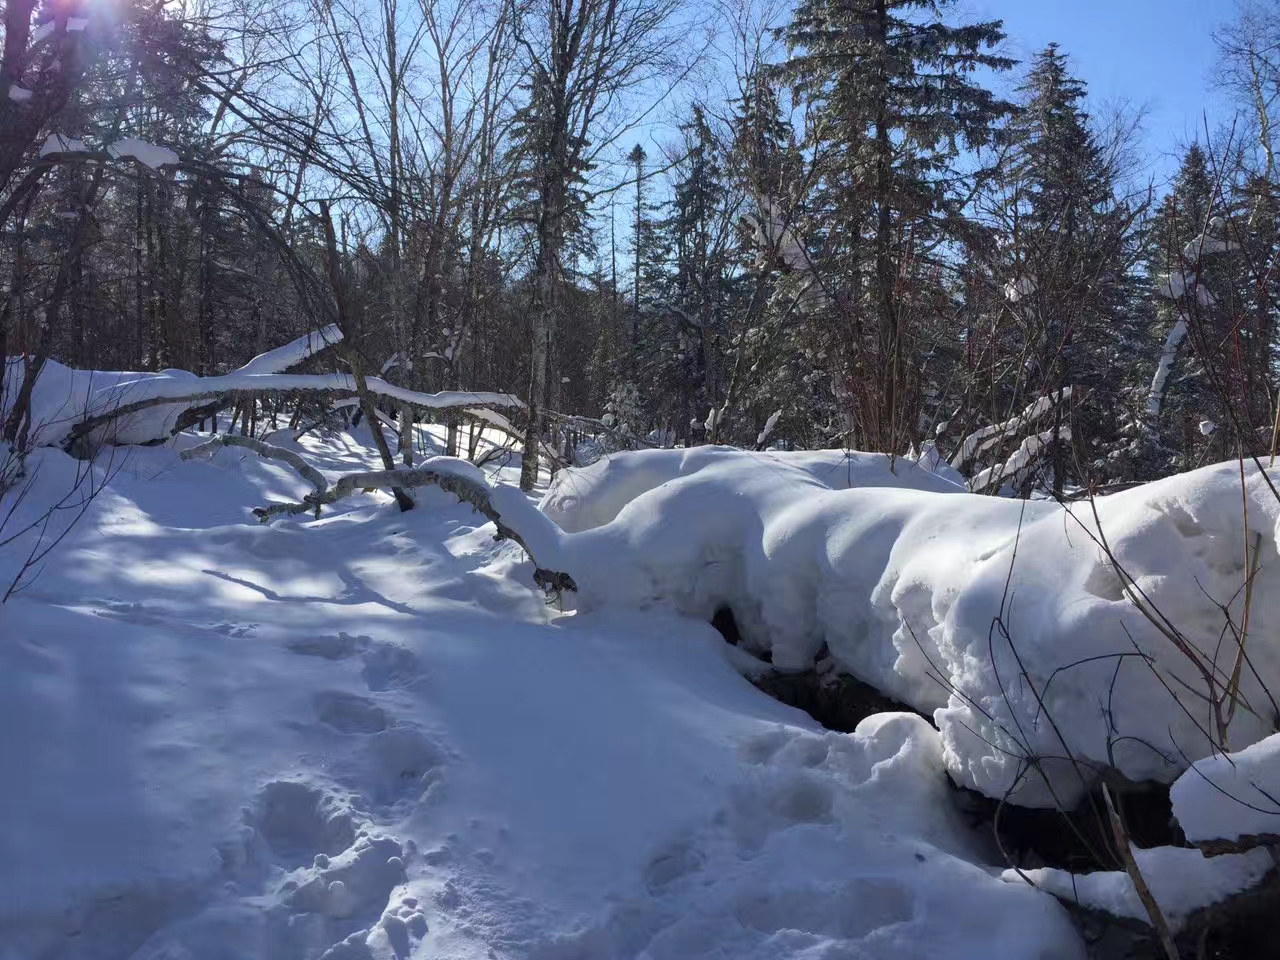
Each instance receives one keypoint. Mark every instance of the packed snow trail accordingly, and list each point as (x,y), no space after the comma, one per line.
(366,737)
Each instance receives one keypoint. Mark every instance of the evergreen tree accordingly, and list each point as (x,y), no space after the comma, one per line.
(1066,274)
(890,87)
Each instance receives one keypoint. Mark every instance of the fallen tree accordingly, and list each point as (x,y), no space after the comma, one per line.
(462,479)
(79,410)
(198,394)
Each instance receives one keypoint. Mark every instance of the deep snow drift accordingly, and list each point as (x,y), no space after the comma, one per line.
(367,737)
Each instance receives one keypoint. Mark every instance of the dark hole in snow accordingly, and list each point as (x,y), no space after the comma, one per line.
(723,621)
(1079,840)
(836,700)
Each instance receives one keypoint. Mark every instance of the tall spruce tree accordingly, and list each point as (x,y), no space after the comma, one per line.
(1067,271)
(891,91)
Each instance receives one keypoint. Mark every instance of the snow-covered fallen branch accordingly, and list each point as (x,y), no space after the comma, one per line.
(265,450)
(130,397)
(515,518)
(987,437)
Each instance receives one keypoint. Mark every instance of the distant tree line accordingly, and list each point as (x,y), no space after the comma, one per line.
(849,239)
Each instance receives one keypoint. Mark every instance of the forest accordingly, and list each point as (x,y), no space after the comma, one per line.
(637,480)
(846,239)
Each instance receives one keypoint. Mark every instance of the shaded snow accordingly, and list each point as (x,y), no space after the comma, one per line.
(364,737)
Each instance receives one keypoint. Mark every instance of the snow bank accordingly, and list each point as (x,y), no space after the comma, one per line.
(583,498)
(1003,619)
(1231,797)
(1181,880)
(360,738)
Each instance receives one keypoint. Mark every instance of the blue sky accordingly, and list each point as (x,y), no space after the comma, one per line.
(1153,53)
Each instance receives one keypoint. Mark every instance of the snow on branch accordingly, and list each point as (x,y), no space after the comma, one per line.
(293,353)
(1018,461)
(776,239)
(515,518)
(1155,395)
(265,450)
(987,437)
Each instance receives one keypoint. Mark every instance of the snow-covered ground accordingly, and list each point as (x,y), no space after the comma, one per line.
(368,736)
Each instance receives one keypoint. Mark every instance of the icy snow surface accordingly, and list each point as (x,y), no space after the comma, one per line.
(365,737)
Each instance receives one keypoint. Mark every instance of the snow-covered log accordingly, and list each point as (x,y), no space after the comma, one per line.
(1049,642)
(127,398)
(293,353)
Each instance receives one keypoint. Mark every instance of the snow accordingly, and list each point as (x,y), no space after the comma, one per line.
(1181,880)
(1231,796)
(363,736)
(992,616)
(147,154)
(1168,353)
(57,143)
(294,352)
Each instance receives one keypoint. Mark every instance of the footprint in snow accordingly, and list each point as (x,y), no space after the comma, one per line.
(349,713)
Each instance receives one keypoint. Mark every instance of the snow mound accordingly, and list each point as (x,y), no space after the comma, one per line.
(1181,880)
(581,498)
(1003,619)
(1230,797)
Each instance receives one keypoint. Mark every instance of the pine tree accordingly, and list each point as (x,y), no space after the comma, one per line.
(891,88)
(1066,275)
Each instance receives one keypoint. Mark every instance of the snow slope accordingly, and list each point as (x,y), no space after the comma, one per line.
(366,737)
